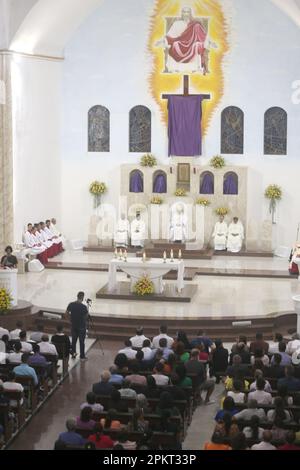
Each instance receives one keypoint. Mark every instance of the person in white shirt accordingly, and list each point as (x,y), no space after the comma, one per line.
(162,334)
(15,334)
(259,373)
(235,236)
(148,352)
(236,394)
(56,232)
(11,386)
(279,412)
(3,332)
(138,340)
(220,235)
(46,347)
(128,351)
(26,347)
(252,410)
(16,356)
(36,336)
(294,344)
(262,397)
(266,442)
(274,348)
(122,232)
(160,379)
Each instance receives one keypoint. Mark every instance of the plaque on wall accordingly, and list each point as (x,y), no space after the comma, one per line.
(140,129)
(99,129)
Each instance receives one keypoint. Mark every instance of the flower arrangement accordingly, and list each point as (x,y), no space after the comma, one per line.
(202,201)
(180,192)
(217,162)
(148,160)
(5,301)
(156,200)
(144,286)
(222,211)
(97,189)
(274,194)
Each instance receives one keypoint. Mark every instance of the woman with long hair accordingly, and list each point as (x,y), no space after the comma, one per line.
(279,413)
(100,440)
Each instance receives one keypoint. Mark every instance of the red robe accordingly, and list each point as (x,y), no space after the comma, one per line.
(189,44)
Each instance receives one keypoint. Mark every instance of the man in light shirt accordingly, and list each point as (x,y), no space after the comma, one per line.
(15,334)
(11,386)
(46,347)
(138,340)
(252,410)
(126,391)
(16,356)
(262,397)
(148,352)
(266,442)
(274,348)
(162,334)
(160,379)
(26,347)
(128,351)
(36,336)
(294,344)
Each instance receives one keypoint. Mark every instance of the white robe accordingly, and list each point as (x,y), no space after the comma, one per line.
(235,237)
(138,232)
(50,236)
(41,236)
(57,233)
(220,236)
(32,242)
(178,230)
(122,233)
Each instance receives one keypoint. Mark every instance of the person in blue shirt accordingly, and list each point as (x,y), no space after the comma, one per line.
(115,378)
(289,381)
(228,407)
(201,338)
(70,437)
(25,370)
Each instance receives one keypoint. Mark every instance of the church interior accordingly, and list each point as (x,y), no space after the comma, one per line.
(149,225)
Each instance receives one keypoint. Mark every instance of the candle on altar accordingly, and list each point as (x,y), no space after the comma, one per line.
(120,254)
(165,256)
(172,255)
(179,254)
(116,252)
(125,255)
(144,256)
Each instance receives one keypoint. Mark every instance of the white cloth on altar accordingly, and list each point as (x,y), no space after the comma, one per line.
(155,269)
(122,233)
(235,237)
(178,226)
(220,236)
(138,232)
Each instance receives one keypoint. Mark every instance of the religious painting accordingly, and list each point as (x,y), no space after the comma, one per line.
(140,129)
(232,130)
(183,173)
(188,37)
(275,134)
(99,129)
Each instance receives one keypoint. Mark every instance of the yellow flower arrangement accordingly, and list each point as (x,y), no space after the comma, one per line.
(156,200)
(97,189)
(217,162)
(202,201)
(273,192)
(180,192)
(5,301)
(144,286)
(222,211)
(148,160)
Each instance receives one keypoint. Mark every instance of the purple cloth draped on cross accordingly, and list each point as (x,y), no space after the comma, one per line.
(207,184)
(230,184)
(185,114)
(136,182)
(160,184)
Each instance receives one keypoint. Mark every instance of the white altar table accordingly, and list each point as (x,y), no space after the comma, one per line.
(154,268)
(8,280)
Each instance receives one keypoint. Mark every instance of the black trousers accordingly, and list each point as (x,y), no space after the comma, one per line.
(78,333)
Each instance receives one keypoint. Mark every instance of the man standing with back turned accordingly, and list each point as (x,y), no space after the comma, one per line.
(79,315)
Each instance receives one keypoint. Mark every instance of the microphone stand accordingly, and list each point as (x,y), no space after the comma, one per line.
(91,324)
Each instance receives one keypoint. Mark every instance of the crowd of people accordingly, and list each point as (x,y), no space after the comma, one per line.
(253,414)
(43,240)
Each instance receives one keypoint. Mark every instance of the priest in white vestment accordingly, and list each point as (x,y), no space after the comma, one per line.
(220,235)
(36,247)
(56,232)
(122,232)
(178,226)
(138,231)
(235,236)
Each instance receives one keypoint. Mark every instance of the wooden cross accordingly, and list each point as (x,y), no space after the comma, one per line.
(186,86)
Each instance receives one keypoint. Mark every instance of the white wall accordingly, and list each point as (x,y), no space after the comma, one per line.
(107,63)
(37,147)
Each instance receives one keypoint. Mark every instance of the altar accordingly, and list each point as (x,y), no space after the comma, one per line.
(153,268)
(8,281)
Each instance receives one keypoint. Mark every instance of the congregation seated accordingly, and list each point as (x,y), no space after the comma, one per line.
(227,407)
(135,377)
(129,352)
(10,385)
(116,402)
(138,340)
(202,338)
(275,369)
(251,410)
(265,444)
(111,421)
(37,335)
(236,393)
(291,383)
(123,440)
(15,334)
(166,351)
(26,347)
(262,397)
(46,347)
(100,440)
(37,359)
(15,357)
(182,355)
(91,402)
(257,374)
(290,444)
(274,348)
(103,387)
(160,378)
(286,359)
(242,351)
(126,391)
(85,421)
(61,342)
(115,377)
(71,437)
(294,344)
(181,337)
(259,355)
(259,344)
(279,413)
(217,442)
(138,422)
